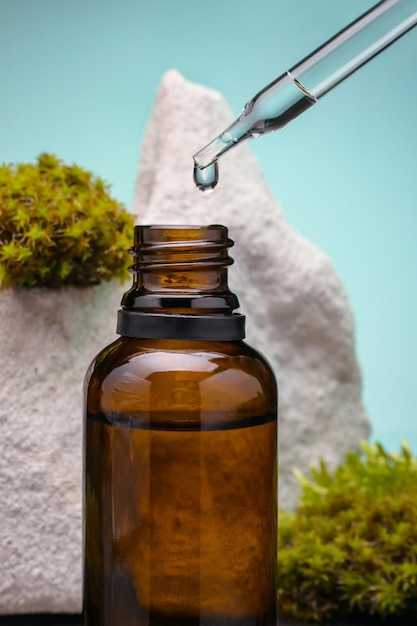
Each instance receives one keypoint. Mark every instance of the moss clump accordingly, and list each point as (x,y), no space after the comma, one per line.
(351,546)
(59,226)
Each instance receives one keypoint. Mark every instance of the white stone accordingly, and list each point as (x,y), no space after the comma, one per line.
(297,310)
(47,340)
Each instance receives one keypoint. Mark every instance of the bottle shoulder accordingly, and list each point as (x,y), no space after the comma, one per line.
(174,354)
(133,374)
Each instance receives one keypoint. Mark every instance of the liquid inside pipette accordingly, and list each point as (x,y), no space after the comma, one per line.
(271,109)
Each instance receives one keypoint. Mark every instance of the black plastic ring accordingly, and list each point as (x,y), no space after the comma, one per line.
(197,327)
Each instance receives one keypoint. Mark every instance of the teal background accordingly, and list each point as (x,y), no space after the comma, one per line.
(79,79)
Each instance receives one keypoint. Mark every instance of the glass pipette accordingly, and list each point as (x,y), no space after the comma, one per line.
(297,89)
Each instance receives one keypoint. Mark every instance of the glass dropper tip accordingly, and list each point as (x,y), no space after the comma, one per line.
(212,151)
(206,170)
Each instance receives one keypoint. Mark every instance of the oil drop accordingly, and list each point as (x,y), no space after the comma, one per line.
(206,179)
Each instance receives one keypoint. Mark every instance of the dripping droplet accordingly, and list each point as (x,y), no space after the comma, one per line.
(206,179)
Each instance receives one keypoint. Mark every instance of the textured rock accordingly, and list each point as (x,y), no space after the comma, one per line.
(297,311)
(47,340)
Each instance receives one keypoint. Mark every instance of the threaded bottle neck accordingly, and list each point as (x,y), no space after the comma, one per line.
(180,271)
(183,248)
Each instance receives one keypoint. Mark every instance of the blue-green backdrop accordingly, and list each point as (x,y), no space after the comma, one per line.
(79,79)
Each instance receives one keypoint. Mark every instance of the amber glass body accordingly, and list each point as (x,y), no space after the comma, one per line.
(180,471)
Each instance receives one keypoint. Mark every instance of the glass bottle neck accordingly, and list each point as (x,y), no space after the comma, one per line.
(180,285)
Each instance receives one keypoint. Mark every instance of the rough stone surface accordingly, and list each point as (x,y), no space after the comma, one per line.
(47,340)
(297,311)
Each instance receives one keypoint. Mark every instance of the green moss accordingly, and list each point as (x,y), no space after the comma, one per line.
(59,226)
(351,546)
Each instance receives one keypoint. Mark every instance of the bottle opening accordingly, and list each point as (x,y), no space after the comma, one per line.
(180,284)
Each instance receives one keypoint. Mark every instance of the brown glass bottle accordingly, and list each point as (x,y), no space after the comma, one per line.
(181,449)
